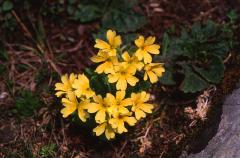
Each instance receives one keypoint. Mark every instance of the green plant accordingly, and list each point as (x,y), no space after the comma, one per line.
(26,103)
(6,19)
(115,93)
(115,14)
(196,57)
(3,59)
(48,151)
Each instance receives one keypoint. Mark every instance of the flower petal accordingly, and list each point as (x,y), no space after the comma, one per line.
(139,114)
(146,107)
(92,108)
(98,59)
(100,44)
(150,40)
(121,84)
(100,116)
(120,95)
(99,129)
(68,110)
(132,80)
(117,41)
(109,133)
(82,114)
(139,41)
(110,36)
(153,49)
(126,56)
(130,120)
(112,78)
(147,58)
(139,53)
(121,128)
(152,76)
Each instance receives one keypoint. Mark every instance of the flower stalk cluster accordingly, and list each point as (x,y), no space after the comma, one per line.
(113,111)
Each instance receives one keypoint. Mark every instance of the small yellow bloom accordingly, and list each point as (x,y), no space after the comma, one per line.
(114,41)
(118,104)
(132,62)
(118,121)
(71,104)
(107,61)
(66,85)
(145,47)
(153,71)
(81,84)
(139,105)
(122,76)
(100,107)
(109,131)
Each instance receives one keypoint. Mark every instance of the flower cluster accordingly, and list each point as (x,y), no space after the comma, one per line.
(113,110)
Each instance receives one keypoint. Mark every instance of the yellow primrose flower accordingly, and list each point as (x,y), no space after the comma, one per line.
(107,61)
(153,71)
(81,84)
(114,41)
(101,107)
(66,85)
(122,76)
(145,47)
(71,104)
(118,121)
(132,62)
(118,104)
(139,105)
(105,127)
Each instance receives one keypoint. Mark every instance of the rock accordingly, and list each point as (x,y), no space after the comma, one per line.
(226,143)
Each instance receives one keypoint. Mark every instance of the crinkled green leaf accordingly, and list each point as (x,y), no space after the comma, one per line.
(123,21)
(214,72)
(192,83)
(87,13)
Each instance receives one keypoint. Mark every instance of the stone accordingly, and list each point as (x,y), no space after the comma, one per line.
(226,142)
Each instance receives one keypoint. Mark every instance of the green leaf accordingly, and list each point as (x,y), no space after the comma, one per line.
(232,15)
(214,72)
(140,86)
(3,52)
(192,83)
(86,13)
(26,103)
(165,44)
(99,83)
(167,78)
(7,5)
(123,21)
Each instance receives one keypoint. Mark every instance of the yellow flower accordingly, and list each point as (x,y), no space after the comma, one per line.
(118,121)
(132,62)
(153,71)
(114,41)
(100,107)
(107,61)
(66,85)
(81,84)
(122,76)
(139,105)
(145,47)
(118,104)
(71,104)
(109,131)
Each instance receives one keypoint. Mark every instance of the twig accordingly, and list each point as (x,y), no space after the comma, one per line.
(205,14)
